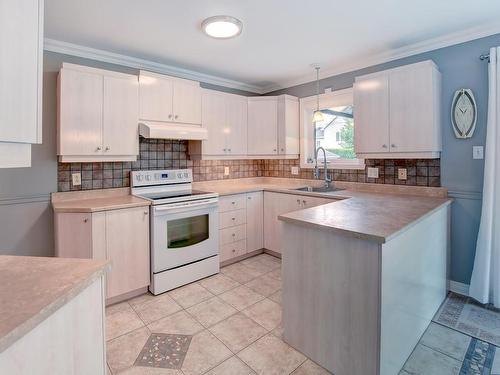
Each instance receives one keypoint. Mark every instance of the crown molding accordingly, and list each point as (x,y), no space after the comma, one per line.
(71,49)
(391,55)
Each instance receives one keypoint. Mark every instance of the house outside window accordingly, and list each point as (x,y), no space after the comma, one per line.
(335,133)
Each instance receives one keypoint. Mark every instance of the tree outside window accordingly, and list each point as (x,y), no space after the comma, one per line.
(336,132)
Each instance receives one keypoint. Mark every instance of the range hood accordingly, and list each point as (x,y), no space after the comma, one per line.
(172,131)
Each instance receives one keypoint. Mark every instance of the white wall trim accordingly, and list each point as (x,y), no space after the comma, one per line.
(393,54)
(66,48)
(459,288)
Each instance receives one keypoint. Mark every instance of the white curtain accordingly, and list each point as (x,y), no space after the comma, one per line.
(485,281)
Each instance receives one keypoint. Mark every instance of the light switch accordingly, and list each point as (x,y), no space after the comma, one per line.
(76,178)
(295,170)
(372,172)
(226,171)
(402,173)
(477,152)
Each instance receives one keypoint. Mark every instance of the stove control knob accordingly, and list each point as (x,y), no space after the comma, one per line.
(138,177)
(186,174)
(148,177)
(179,175)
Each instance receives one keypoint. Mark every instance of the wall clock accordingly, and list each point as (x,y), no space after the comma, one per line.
(463,113)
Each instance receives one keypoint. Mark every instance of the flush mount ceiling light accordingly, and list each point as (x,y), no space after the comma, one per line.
(222,27)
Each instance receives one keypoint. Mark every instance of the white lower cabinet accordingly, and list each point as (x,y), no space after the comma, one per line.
(280,203)
(240,224)
(121,236)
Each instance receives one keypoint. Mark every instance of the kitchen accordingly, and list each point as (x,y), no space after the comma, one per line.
(320,226)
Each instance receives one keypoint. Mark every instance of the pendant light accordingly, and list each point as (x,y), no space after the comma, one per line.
(317,116)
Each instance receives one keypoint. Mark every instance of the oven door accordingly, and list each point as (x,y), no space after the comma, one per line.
(182,233)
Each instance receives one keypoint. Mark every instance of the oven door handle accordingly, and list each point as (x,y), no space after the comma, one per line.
(192,204)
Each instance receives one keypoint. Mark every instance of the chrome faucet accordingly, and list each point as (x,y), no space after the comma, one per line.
(328,180)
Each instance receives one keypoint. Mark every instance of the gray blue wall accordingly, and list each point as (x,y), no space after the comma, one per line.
(460,67)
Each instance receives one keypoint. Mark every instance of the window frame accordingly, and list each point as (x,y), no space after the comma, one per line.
(307,106)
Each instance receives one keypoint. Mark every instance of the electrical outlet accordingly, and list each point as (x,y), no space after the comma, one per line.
(295,170)
(372,172)
(76,178)
(477,152)
(402,173)
(226,171)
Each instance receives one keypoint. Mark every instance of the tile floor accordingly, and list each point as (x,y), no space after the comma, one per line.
(232,324)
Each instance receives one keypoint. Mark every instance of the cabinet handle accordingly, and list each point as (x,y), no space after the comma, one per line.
(298,201)
(233,202)
(304,203)
(170,116)
(176,117)
(393,145)
(98,148)
(85,220)
(224,149)
(229,149)
(249,197)
(282,149)
(233,218)
(233,250)
(274,150)
(107,148)
(234,234)
(146,212)
(384,146)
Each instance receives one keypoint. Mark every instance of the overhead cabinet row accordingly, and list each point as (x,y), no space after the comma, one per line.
(102,113)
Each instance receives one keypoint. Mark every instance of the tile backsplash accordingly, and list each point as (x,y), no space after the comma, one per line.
(168,154)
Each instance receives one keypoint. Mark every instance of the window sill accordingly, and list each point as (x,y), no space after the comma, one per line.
(355,165)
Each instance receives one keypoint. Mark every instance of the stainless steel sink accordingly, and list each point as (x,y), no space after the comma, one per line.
(321,189)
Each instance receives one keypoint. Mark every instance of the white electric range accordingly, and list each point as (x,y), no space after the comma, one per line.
(184,228)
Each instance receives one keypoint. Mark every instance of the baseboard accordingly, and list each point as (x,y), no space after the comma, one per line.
(459,288)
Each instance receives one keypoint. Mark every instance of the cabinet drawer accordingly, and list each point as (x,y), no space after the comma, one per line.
(232,250)
(233,234)
(232,202)
(232,218)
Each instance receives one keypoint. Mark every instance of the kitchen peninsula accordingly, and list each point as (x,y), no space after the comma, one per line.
(362,279)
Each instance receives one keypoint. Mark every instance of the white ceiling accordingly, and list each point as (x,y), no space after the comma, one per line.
(280,38)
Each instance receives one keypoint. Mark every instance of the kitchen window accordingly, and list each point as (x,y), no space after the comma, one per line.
(335,133)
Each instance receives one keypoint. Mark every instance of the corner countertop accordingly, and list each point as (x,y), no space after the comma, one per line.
(370,216)
(96,200)
(373,212)
(33,288)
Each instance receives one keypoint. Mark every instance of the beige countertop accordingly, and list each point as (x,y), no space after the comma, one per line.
(33,288)
(96,200)
(371,211)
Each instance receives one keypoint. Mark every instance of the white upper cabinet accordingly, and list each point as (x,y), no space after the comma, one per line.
(263,125)
(169,99)
(225,117)
(397,112)
(98,113)
(288,125)
(371,113)
(21,66)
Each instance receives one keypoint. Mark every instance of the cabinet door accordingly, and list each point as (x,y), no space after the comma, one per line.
(73,235)
(414,112)
(127,246)
(288,126)
(21,38)
(236,122)
(80,113)
(187,102)
(255,221)
(262,126)
(120,117)
(276,204)
(214,118)
(371,113)
(155,97)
